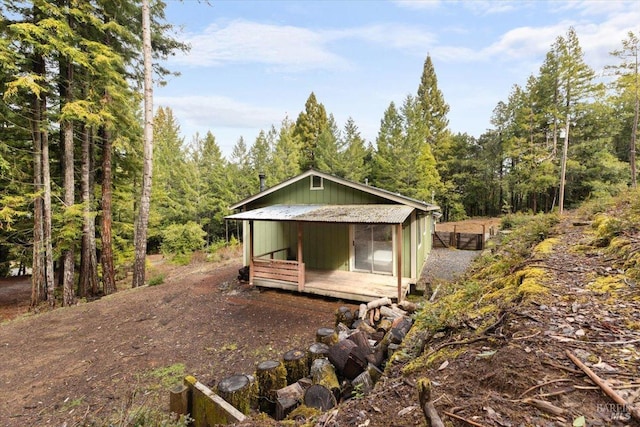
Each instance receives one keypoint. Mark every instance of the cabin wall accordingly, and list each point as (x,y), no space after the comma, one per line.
(424,243)
(326,246)
(269,236)
(406,248)
(300,193)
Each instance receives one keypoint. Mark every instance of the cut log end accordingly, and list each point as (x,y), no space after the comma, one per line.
(319,397)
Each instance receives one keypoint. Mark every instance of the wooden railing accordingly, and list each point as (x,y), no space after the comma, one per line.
(272,253)
(277,269)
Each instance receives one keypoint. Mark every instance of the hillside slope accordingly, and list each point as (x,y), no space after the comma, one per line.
(495,346)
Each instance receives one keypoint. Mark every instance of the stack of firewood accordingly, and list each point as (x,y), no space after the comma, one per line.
(345,361)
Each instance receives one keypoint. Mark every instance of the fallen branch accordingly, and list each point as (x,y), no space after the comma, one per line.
(567,339)
(497,323)
(542,385)
(458,417)
(525,337)
(545,406)
(433,295)
(430,412)
(634,412)
(564,368)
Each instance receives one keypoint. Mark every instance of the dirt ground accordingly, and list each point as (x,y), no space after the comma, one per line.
(66,365)
(469,226)
(71,365)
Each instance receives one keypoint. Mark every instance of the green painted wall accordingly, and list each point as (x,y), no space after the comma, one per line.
(326,246)
(300,193)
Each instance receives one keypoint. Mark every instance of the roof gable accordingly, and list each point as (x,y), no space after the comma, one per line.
(384,194)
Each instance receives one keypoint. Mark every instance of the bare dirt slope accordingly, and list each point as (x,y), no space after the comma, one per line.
(82,363)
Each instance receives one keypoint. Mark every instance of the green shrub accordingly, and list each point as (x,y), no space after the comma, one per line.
(156,280)
(182,238)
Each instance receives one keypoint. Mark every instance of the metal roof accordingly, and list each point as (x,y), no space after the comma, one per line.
(352,214)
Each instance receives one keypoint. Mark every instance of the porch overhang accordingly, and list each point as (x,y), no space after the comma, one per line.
(351,214)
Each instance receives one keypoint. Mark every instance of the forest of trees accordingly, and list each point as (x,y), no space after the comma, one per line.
(71,153)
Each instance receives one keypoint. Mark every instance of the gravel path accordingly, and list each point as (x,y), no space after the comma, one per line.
(447,264)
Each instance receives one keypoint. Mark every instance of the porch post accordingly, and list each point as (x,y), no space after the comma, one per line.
(399,258)
(251,272)
(301,277)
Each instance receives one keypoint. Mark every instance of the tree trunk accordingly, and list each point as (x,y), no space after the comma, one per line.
(47,233)
(68,259)
(142,220)
(108,271)
(45,252)
(563,168)
(38,289)
(634,133)
(88,261)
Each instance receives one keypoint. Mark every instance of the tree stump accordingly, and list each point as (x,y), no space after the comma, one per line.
(324,373)
(345,316)
(316,351)
(320,397)
(295,362)
(240,391)
(271,376)
(327,336)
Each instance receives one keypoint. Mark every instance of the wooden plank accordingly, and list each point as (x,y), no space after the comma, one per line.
(276,276)
(300,260)
(399,257)
(251,253)
(274,265)
(275,261)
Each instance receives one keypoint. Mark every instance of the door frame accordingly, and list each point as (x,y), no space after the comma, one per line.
(352,251)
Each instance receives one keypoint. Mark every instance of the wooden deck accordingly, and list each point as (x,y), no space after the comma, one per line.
(346,285)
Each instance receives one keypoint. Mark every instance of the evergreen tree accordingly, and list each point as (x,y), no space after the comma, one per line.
(310,124)
(628,91)
(576,85)
(240,172)
(353,154)
(214,190)
(286,153)
(327,157)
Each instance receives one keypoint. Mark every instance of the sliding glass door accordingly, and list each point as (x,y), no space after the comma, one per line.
(373,248)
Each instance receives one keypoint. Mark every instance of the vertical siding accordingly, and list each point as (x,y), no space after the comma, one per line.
(300,193)
(406,248)
(327,246)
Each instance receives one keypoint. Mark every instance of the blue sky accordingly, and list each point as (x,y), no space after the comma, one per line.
(253,63)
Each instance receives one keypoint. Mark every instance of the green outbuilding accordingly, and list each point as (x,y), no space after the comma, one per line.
(321,234)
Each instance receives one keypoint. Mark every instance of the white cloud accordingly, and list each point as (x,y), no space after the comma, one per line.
(292,49)
(418,4)
(286,47)
(219,111)
(396,36)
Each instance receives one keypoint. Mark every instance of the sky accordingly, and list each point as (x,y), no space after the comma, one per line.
(254,63)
